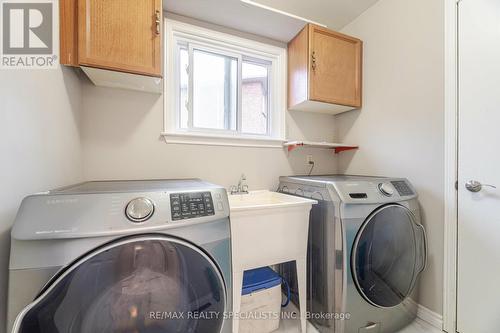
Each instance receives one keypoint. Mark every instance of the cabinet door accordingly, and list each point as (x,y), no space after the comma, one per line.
(335,75)
(120,35)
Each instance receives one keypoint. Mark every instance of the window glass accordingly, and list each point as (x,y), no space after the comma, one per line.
(255,98)
(184,87)
(214,91)
(220,87)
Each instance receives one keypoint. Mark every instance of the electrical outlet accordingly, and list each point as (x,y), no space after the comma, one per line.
(309,159)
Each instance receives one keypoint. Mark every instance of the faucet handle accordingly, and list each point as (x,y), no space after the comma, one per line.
(244,189)
(233,189)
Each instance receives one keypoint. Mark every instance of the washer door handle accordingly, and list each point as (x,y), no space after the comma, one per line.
(422,248)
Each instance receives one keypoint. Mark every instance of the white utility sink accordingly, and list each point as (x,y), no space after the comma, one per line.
(255,200)
(268,228)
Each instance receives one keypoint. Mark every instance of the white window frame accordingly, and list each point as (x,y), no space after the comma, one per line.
(177,32)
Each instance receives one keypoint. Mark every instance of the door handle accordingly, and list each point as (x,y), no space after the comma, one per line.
(475,186)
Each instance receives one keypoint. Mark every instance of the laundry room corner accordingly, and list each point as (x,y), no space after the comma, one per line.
(249,166)
(401,124)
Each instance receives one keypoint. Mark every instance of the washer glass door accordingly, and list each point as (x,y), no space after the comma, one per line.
(388,255)
(140,284)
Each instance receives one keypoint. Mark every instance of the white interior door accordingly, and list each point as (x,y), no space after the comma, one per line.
(479,160)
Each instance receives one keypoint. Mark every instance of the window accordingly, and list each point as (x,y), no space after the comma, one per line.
(222,87)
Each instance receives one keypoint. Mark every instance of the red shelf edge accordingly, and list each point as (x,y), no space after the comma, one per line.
(341,149)
(292,147)
(336,150)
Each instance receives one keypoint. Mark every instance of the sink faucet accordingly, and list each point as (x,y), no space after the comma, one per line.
(241,188)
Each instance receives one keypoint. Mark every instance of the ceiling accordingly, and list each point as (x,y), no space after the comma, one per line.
(333,13)
(257,20)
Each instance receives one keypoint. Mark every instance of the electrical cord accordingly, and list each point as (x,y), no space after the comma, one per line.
(312,167)
(287,288)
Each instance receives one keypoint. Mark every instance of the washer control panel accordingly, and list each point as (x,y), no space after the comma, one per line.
(191,205)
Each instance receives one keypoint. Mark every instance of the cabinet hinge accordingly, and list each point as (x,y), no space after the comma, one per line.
(456,185)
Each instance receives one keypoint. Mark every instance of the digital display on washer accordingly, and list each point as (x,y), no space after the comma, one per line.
(402,187)
(191,205)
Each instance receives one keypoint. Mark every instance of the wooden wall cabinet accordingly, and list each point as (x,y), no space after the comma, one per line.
(324,71)
(116,35)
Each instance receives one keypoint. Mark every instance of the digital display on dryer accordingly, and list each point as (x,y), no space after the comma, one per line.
(191,205)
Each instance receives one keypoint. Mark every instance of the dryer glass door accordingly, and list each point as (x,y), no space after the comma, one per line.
(388,255)
(140,284)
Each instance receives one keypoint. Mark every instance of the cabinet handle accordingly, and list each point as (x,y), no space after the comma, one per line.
(157,22)
(313,61)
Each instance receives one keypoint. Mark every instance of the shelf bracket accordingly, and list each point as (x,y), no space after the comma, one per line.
(292,147)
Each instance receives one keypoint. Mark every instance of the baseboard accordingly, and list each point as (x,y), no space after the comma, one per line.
(429,317)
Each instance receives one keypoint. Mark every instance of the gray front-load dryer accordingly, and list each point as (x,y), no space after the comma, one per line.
(122,256)
(367,249)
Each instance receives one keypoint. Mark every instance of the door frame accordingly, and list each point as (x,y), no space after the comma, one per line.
(451,114)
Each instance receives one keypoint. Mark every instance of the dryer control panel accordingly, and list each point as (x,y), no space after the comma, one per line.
(190,205)
(351,189)
(402,187)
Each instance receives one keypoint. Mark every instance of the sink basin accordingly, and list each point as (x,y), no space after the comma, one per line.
(268,228)
(264,199)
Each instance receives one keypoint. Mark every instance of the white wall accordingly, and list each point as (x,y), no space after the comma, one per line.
(40,144)
(121,140)
(401,126)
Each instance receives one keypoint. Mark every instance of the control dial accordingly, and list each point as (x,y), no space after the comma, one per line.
(386,189)
(139,209)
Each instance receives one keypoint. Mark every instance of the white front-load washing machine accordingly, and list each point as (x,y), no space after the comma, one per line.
(122,256)
(366,251)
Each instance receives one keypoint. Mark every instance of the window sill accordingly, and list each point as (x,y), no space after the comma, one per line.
(221,140)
